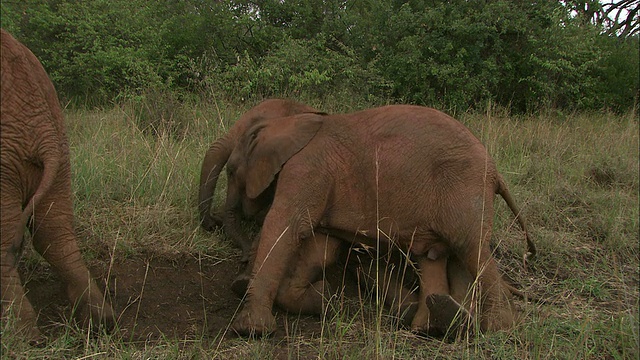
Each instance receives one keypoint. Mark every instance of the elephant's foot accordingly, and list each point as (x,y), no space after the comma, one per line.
(18,313)
(30,332)
(93,311)
(498,311)
(37,340)
(211,222)
(100,317)
(499,318)
(25,327)
(254,322)
(447,316)
(33,335)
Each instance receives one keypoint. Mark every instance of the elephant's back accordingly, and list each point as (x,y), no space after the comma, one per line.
(418,124)
(404,131)
(29,106)
(27,82)
(397,144)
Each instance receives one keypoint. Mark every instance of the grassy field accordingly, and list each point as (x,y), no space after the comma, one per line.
(574,176)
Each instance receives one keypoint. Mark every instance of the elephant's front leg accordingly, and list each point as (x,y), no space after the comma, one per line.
(275,250)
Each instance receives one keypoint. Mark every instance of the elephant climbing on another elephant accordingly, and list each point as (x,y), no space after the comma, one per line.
(322,250)
(36,191)
(218,154)
(408,175)
(386,274)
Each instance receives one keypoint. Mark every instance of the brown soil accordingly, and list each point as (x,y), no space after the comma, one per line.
(179,297)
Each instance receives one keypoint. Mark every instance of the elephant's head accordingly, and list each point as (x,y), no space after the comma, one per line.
(218,153)
(265,148)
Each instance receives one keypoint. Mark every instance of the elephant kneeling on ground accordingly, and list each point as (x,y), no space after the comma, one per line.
(36,192)
(305,290)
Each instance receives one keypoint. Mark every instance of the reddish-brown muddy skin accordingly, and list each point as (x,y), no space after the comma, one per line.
(217,155)
(406,174)
(36,191)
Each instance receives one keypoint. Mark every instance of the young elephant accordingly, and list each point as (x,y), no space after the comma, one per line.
(404,174)
(218,154)
(36,191)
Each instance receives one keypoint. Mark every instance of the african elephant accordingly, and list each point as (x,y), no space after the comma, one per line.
(404,174)
(218,154)
(36,191)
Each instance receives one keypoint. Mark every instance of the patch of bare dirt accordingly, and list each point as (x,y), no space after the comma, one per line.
(156,297)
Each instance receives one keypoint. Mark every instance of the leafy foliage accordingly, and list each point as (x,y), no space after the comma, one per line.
(456,55)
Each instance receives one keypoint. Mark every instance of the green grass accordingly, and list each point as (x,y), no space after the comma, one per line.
(575,178)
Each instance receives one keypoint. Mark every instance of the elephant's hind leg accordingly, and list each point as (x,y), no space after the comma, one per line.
(433,280)
(15,305)
(54,238)
(389,276)
(303,290)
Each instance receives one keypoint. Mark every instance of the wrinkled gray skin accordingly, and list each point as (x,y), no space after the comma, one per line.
(36,192)
(406,174)
(217,156)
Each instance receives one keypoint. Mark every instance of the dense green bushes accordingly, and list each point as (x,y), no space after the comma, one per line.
(454,55)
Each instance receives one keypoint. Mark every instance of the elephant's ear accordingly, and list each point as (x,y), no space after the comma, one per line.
(272,143)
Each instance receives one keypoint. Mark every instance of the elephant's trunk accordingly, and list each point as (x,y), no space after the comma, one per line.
(214,160)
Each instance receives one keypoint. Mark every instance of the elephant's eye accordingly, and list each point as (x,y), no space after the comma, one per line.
(253,136)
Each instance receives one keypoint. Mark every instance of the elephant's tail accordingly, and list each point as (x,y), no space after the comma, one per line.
(503,191)
(51,167)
